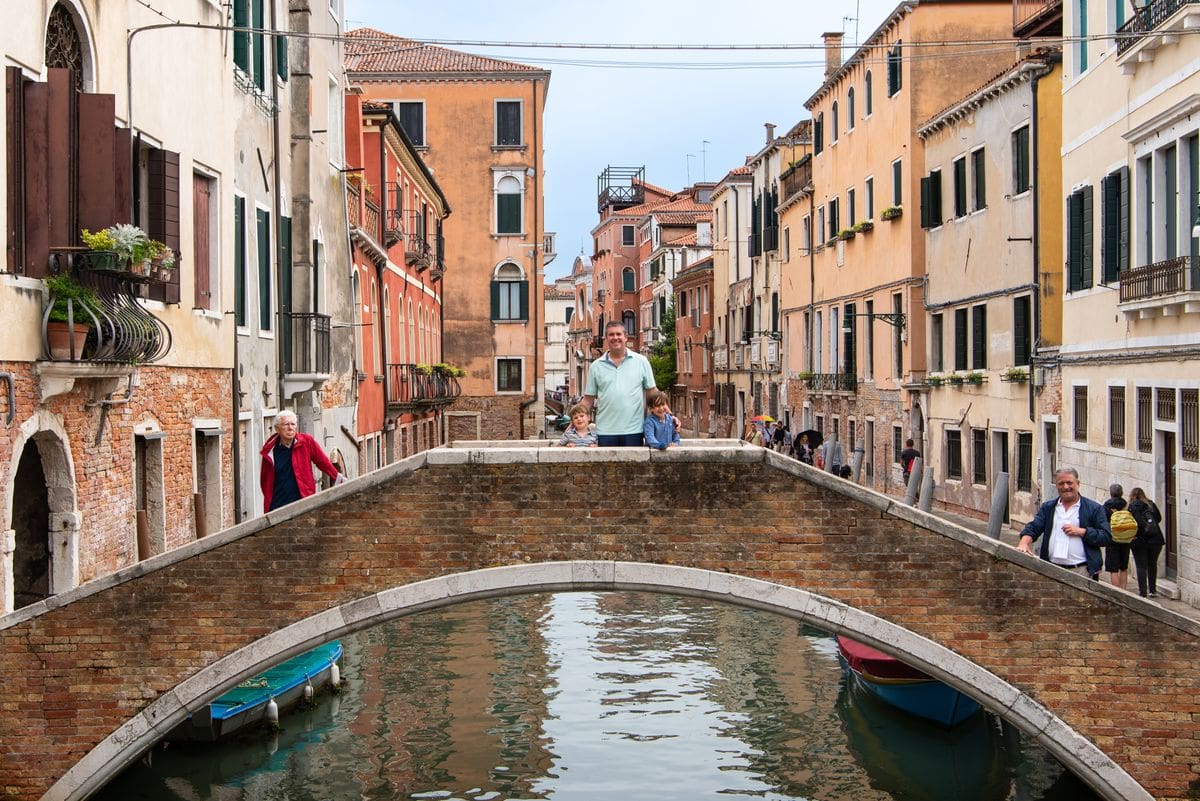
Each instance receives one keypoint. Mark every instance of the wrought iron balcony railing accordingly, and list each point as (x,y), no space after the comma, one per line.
(832,382)
(306,343)
(1033,15)
(1147,19)
(797,177)
(119,329)
(1161,279)
(411,387)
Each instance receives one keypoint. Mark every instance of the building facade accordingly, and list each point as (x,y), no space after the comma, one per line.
(691,397)
(560,316)
(731,296)
(477,123)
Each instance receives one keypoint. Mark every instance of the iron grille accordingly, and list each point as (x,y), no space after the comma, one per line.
(1145,425)
(1080,414)
(1116,417)
(1189,424)
(1164,403)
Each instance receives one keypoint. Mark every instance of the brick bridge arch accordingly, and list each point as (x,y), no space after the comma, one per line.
(1102,679)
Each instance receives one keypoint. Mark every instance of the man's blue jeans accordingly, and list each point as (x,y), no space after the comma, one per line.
(621,440)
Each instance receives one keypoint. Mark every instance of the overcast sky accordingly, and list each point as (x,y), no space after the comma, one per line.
(683,123)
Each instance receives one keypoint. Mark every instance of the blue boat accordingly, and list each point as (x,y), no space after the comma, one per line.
(246,705)
(904,687)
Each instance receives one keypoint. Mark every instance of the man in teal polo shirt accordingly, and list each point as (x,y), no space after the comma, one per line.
(620,380)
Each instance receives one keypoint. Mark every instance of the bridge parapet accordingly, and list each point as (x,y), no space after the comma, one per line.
(1103,679)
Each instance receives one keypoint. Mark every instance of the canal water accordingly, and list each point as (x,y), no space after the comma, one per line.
(601,696)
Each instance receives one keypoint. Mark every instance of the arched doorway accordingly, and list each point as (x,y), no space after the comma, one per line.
(31,526)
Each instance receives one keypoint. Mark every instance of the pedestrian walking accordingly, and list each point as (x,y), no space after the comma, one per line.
(1148,543)
(288,459)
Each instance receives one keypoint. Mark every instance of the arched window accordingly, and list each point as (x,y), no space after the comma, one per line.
(402,354)
(387,321)
(412,335)
(376,328)
(630,321)
(850,109)
(64,45)
(508,206)
(819,133)
(510,293)
(867,95)
(628,283)
(833,123)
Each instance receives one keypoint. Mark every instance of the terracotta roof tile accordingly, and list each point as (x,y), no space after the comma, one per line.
(370,50)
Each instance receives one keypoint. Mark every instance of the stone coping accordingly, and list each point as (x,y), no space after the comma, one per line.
(717,451)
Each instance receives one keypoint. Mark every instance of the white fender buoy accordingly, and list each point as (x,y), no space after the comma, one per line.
(335,675)
(308,690)
(272,712)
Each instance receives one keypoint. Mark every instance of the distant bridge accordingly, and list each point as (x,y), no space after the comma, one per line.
(1102,679)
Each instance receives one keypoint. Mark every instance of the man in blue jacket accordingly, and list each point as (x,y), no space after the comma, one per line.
(1075,528)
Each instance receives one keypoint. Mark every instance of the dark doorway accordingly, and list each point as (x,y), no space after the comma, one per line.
(31,521)
(1169,503)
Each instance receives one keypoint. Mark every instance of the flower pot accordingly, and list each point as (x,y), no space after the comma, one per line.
(142,268)
(59,337)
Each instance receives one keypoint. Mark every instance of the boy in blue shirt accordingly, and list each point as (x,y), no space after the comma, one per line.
(659,428)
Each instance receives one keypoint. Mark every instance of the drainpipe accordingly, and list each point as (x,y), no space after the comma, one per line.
(1037,191)
(536,283)
(379,268)
(284,304)
(812,274)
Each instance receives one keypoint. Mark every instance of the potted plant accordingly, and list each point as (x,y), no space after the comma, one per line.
(425,369)
(954,379)
(72,312)
(891,213)
(934,380)
(132,247)
(864,226)
(846,233)
(162,261)
(804,375)
(1015,375)
(103,249)
(449,370)
(975,377)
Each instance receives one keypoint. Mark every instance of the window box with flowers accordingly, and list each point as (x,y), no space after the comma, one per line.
(846,233)
(127,250)
(934,380)
(954,379)
(891,213)
(975,377)
(864,226)
(1015,375)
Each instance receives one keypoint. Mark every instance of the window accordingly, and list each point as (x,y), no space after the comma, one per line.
(630,321)
(833,127)
(960,188)
(509,197)
(806,235)
(953,454)
(628,280)
(979,337)
(411,114)
(898,337)
(1079,240)
(1020,159)
(819,134)
(897,439)
(821,226)
(240,279)
(897,193)
(978,455)
(1080,413)
(867,95)
(249,47)
(849,345)
(508,375)
(1081,43)
(204,238)
(510,293)
(978,180)
(1145,420)
(833,219)
(1189,424)
(787,243)
(627,233)
(1116,417)
(850,197)
(937,358)
(1022,330)
(869,366)
(263,240)
(1024,461)
(960,339)
(931,200)
(869,197)
(508,123)
(850,109)
(895,75)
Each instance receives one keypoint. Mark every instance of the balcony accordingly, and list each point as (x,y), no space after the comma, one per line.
(770,238)
(797,178)
(439,258)
(417,252)
(1163,288)
(107,335)
(305,351)
(413,388)
(1037,18)
(1158,23)
(393,228)
(832,382)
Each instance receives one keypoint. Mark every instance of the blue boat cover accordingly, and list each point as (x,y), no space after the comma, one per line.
(287,674)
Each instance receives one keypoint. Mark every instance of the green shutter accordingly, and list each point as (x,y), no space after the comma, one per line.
(1021,331)
(239,260)
(259,45)
(960,339)
(1086,277)
(523,300)
(935,197)
(263,219)
(960,188)
(281,57)
(925,211)
(241,39)
(979,338)
(1123,220)
(1074,242)
(980,179)
(495,300)
(1108,228)
(508,213)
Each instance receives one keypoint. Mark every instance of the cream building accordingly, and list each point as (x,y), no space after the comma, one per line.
(560,310)
(981,297)
(731,295)
(1130,356)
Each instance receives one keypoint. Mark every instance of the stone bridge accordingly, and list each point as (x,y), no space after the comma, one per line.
(1104,680)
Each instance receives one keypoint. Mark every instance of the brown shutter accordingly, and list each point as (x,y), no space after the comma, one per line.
(163,218)
(100,162)
(50,217)
(14,115)
(201,191)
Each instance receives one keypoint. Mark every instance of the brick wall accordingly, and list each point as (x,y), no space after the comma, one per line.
(1114,668)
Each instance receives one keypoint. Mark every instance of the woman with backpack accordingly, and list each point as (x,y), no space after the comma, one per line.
(1123,528)
(1148,543)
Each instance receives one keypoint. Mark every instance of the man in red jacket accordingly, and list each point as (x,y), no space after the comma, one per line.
(288,458)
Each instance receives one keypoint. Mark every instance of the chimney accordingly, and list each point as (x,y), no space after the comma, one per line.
(833,52)
(770,126)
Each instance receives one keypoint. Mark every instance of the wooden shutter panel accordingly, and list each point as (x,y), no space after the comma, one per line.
(979,338)
(495,300)
(281,57)
(1123,220)
(1074,242)
(1109,235)
(523,299)
(258,44)
(926,211)
(241,39)
(49,160)
(163,218)
(960,339)
(1086,278)
(14,115)
(239,261)
(1020,331)
(201,228)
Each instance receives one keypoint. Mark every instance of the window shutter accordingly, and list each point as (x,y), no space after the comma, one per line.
(281,58)
(1123,220)
(495,300)
(265,306)
(523,299)
(508,214)
(1021,331)
(979,338)
(163,217)
(935,198)
(241,39)
(258,45)
(1086,277)
(239,260)
(960,339)
(1074,242)
(819,134)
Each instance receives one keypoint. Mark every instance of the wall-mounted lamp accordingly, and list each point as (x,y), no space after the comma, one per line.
(1196,226)
(898,319)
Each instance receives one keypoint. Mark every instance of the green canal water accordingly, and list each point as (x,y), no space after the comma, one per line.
(601,696)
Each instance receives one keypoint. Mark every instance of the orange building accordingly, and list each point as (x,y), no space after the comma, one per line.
(857,375)
(396,212)
(692,393)
(477,123)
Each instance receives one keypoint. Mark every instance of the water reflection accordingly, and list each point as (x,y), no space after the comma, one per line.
(594,696)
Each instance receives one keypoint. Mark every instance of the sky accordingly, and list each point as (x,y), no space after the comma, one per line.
(685,116)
